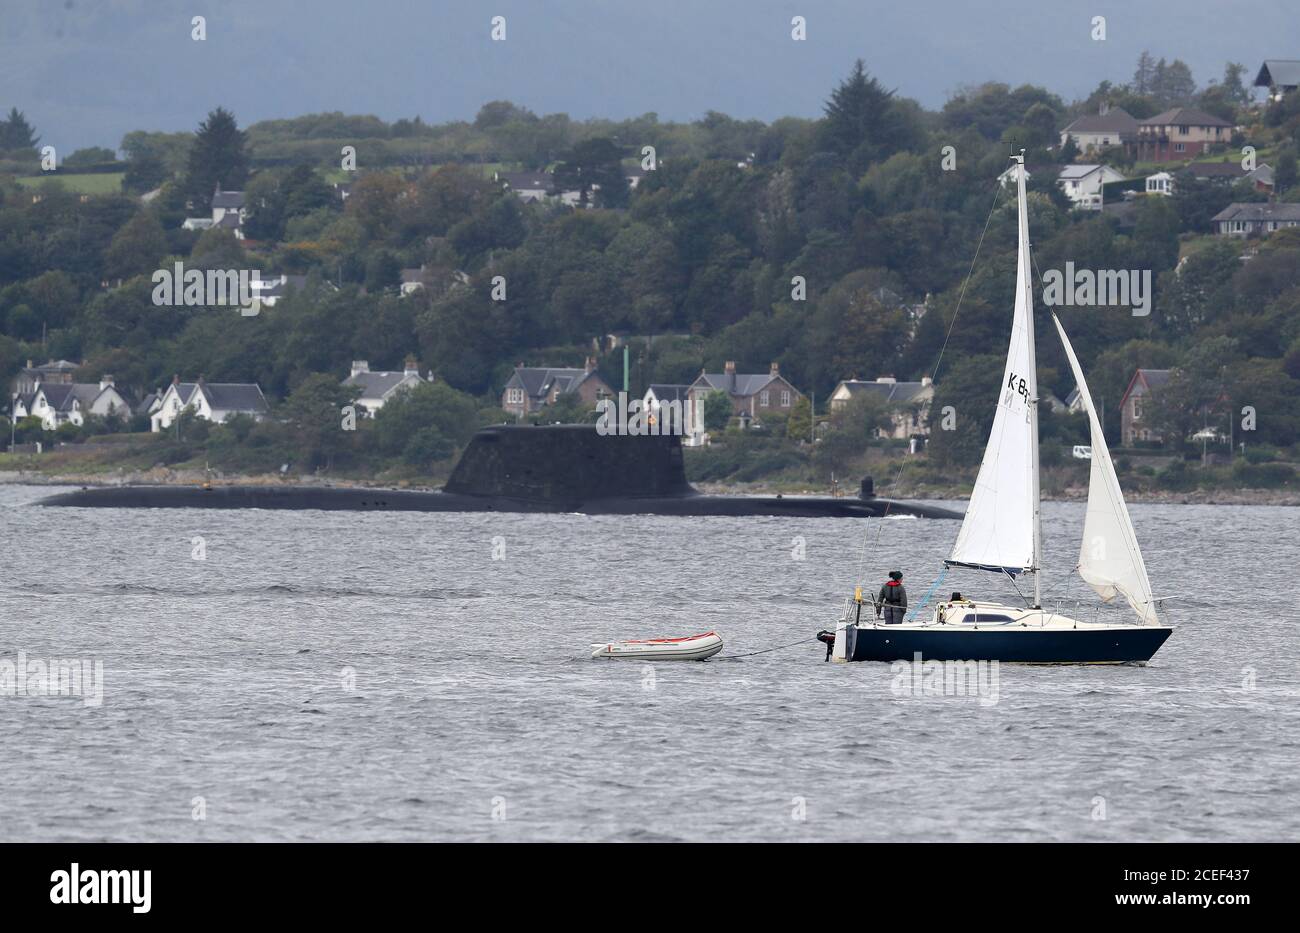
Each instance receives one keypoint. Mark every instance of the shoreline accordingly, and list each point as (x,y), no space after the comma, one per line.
(162,476)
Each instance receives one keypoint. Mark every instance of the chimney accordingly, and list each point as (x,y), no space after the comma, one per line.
(176,379)
(775,369)
(412,366)
(886,379)
(519,365)
(590,365)
(1105,108)
(360,366)
(200,380)
(105,381)
(926,381)
(31,364)
(730,368)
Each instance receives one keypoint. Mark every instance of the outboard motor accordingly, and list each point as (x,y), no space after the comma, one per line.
(828,639)
(868,490)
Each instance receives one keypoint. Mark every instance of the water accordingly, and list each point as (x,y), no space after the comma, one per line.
(471,695)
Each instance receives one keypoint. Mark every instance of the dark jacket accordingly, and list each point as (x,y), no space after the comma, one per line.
(891,594)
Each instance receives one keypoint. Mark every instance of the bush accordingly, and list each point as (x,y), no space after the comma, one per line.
(1176,477)
(1260,453)
(1263,475)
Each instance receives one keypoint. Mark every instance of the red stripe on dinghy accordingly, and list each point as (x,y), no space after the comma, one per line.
(665,641)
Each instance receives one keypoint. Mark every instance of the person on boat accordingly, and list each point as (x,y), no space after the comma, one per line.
(892,599)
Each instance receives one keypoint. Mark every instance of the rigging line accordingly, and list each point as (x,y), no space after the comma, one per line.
(750,654)
(997,190)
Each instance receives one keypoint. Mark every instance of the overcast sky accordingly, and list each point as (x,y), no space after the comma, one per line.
(88,71)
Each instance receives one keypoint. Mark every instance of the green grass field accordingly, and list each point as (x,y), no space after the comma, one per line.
(98,183)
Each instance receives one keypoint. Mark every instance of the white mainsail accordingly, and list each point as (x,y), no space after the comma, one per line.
(1109,558)
(999,531)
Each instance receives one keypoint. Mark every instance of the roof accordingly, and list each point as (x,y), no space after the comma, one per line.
(229,222)
(1075,172)
(743,384)
(377,385)
(1184,116)
(58,396)
(1217,170)
(55,366)
(670,392)
(1115,120)
(1259,212)
(228,199)
(1149,379)
(1279,72)
(898,393)
(531,180)
(539,381)
(226,396)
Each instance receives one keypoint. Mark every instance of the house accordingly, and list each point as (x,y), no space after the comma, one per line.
(379,387)
(661,394)
(1133,416)
(908,403)
(426,279)
(529,187)
(1227,173)
(212,401)
(531,388)
(59,403)
(1255,219)
(1178,134)
(270,289)
(633,174)
(1280,76)
(1074,401)
(752,394)
(1161,183)
(1082,184)
(53,372)
(227,213)
(1113,126)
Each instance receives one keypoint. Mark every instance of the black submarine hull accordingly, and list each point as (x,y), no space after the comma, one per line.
(336,499)
(521,468)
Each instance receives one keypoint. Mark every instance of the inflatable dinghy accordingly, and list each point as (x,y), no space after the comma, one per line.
(688,648)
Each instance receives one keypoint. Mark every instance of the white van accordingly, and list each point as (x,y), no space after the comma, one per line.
(1082,452)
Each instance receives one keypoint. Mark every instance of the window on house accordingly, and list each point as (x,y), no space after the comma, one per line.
(762,399)
(785,398)
(1182,131)
(1179,147)
(1137,409)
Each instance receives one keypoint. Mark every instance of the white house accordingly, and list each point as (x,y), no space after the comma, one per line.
(227,213)
(212,401)
(656,396)
(1082,184)
(70,403)
(378,388)
(908,403)
(1161,183)
(1113,126)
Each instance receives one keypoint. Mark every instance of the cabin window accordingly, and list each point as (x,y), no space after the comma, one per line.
(763,398)
(785,398)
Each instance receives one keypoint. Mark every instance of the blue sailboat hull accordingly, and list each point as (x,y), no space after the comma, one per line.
(1024,645)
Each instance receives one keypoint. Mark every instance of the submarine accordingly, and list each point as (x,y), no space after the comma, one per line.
(522,468)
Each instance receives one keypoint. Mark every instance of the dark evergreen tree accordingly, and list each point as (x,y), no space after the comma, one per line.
(217,157)
(16,134)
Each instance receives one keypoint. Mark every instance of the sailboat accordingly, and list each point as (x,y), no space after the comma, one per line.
(1002,534)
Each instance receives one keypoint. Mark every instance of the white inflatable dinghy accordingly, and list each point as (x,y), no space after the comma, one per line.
(688,648)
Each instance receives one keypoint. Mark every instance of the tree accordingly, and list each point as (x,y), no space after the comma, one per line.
(426,424)
(1284,171)
(1145,74)
(314,413)
(595,162)
(16,134)
(717,410)
(217,157)
(137,248)
(863,122)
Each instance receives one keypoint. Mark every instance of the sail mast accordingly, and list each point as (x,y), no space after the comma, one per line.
(1026,276)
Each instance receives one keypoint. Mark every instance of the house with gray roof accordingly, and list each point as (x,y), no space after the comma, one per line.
(378,387)
(1179,134)
(908,403)
(212,401)
(531,388)
(752,395)
(1281,76)
(1260,219)
(64,402)
(1113,126)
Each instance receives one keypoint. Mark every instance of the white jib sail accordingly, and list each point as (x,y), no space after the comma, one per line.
(998,531)
(1109,558)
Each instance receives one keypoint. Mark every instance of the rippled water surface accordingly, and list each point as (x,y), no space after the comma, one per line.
(350,676)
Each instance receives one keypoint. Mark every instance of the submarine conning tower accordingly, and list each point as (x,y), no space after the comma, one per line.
(569,462)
